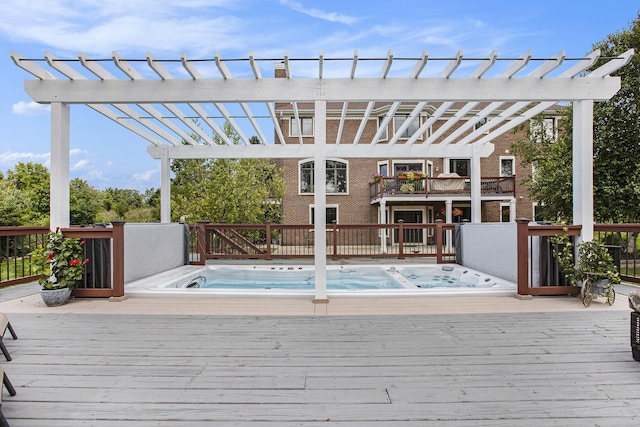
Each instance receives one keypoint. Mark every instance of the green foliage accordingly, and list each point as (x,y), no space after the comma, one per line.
(594,262)
(59,262)
(616,161)
(85,202)
(232,190)
(24,195)
(15,206)
(617,135)
(551,182)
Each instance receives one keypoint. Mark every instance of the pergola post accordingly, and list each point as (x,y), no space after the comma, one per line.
(59,211)
(383,220)
(165,186)
(476,201)
(319,200)
(583,167)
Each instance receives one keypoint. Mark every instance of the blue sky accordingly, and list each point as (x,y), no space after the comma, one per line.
(106,155)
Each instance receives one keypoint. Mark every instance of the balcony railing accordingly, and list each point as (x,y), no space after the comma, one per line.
(384,187)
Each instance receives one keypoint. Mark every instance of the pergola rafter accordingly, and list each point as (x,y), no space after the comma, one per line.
(145,97)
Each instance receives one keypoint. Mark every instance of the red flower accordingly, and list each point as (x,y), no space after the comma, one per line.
(51,255)
(86,260)
(74,262)
(83,242)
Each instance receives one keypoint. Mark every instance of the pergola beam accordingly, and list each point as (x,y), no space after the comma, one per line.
(303,90)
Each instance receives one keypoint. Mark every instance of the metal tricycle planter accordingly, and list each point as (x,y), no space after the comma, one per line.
(592,286)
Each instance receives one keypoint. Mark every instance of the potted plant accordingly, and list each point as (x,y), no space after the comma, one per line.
(60,264)
(594,271)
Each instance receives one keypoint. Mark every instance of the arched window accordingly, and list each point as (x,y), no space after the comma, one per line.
(336,177)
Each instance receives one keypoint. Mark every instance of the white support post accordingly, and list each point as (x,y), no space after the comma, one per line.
(383,221)
(448,215)
(512,210)
(319,200)
(59,211)
(476,193)
(583,167)
(165,187)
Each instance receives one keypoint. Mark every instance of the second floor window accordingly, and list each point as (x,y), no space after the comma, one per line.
(506,166)
(336,181)
(460,166)
(407,166)
(398,120)
(306,123)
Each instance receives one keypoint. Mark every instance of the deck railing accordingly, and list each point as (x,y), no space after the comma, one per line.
(423,187)
(623,241)
(535,250)
(269,241)
(16,244)
(104,273)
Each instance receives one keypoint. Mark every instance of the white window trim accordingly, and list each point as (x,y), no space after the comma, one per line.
(406,116)
(311,193)
(383,163)
(385,135)
(513,165)
(399,161)
(291,129)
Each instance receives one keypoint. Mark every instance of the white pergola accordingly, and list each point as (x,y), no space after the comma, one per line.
(480,98)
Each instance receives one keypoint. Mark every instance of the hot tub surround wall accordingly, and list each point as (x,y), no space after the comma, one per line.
(152,248)
(491,248)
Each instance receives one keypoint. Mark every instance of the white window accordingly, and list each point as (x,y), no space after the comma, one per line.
(332,214)
(383,135)
(383,168)
(306,124)
(336,177)
(406,166)
(507,164)
(398,121)
(545,129)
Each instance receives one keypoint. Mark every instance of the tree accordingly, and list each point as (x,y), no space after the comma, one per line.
(551,181)
(616,129)
(32,180)
(15,205)
(230,190)
(85,202)
(616,147)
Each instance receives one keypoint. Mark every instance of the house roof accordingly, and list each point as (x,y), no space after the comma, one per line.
(478,99)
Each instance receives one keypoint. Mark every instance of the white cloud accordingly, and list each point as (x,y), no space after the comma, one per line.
(32,108)
(8,159)
(145,176)
(98,28)
(81,165)
(317,13)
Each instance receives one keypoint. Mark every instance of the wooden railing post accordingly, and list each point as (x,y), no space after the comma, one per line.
(439,256)
(523,255)
(202,242)
(267,256)
(401,239)
(117,290)
(334,239)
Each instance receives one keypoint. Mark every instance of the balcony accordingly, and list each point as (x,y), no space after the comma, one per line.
(442,186)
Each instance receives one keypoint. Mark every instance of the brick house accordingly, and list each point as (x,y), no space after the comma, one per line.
(355,195)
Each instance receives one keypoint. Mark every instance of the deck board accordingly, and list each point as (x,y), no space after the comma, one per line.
(498,369)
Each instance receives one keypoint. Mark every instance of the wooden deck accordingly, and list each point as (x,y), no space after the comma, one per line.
(559,368)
